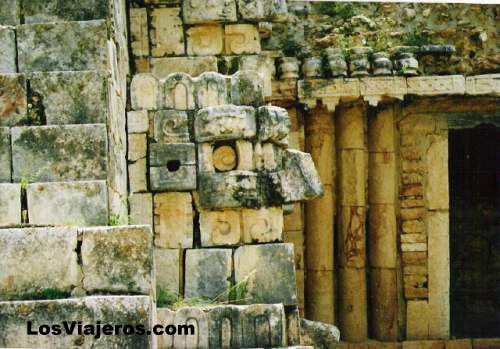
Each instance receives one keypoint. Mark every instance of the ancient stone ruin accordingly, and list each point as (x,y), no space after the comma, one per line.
(274,173)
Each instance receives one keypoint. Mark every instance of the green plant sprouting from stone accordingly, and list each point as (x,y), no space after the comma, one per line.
(117,219)
(414,38)
(343,10)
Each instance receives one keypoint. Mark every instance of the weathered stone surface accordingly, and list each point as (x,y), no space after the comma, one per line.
(10,204)
(57,11)
(181,179)
(68,203)
(170,126)
(224,123)
(72,97)
(139,40)
(10,12)
(173,166)
(224,158)
(114,310)
(274,124)
(241,39)
(137,121)
(178,89)
(228,189)
(52,153)
(145,92)
(245,154)
(5,155)
(262,225)
(208,273)
(352,177)
(35,260)
(483,84)
(167,35)
(62,46)
(173,217)
(118,259)
(436,189)
(141,208)
(264,65)
(256,10)
(196,11)
(13,101)
(211,90)
(218,228)
(269,271)
(8,49)
(299,180)
(205,40)
(165,154)
(167,269)
(436,85)
(194,66)
(319,335)
(247,88)
(137,176)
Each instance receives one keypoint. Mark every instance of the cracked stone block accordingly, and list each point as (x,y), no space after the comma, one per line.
(258,10)
(170,126)
(68,203)
(219,228)
(55,153)
(224,122)
(8,49)
(173,219)
(173,166)
(10,204)
(208,273)
(194,66)
(300,180)
(61,11)
(167,269)
(228,190)
(200,11)
(62,46)
(13,99)
(137,121)
(274,124)
(72,97)
(205,40)
(35,260)
(118,259)
(241,39)
(5,154)
(247,88)
(113,310)
(167,35)
(10,12)
(262,225)
(137,147)
(269,271)
(145,92)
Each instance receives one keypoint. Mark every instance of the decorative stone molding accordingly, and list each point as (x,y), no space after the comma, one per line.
(329,92)
(483,85)
(436,85)
(374,89)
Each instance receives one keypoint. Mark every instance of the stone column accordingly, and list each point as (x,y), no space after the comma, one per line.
(382,197)
(320,143)
(352,159)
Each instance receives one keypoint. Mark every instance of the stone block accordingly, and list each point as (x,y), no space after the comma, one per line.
(71,97)
(274,124)
(137,147)
(137,121)
(182,178)
(228,189)
(415,258)
(165,154)
(353,305)
(488,84)
(167,35)
(208,273)
(196,11)
(168,269)
(262,225)
(118,259)
(13,99)
(486,343)
(374,89)
(170,126)
(219,228)
(52,153)
(173,219)
(350,127)
(247,88)
(382,179)
(244,152)
(436,189)
(141,208)
(352,237)
(8,49)
(137,176)
(194,66)
(62,46)
(10,12)
(113,310)
(211,90)
(465,343)
(436,85)
(68,203)
(318,334)
(224,123)
(56,11)
(205,40)
(241,39)
(384,303)
(299,180)
(5,155)
(145,92)
(139,39)
(352,177)
(272,157)
(35,260)
(205,157)
(414,247)
(178,89)
(423,344)
(382,236)
(381,131)
(10,204)
(269,271)
(264,65)
(256,10)
(293,326)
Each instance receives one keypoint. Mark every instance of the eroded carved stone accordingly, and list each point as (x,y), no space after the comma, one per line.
(436,85)
(329,92)
(139,41)
(274,124)
(262,225)
(179,92)
(247,89)
(167,35)
(55,11)
(211,90)
(375,89)
(173,217)
(256,10)
(200,11)
(228,189)
(241,39)
(145,92)
(483,85)
(205,40)
(224,123)
(219,228)
(299,180)
(167,269)
(170,126)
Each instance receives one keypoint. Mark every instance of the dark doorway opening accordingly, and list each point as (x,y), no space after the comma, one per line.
(474,176)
